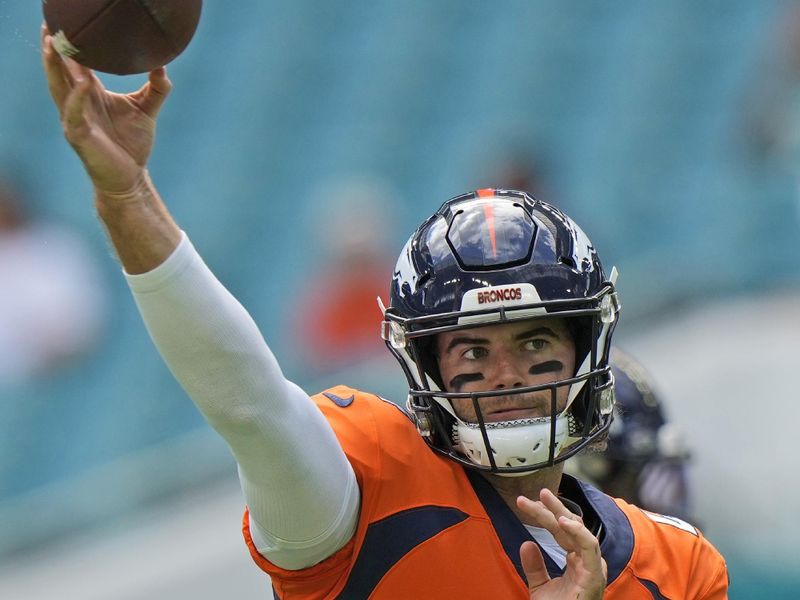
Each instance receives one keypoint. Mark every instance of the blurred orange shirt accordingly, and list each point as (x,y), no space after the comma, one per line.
(339,319)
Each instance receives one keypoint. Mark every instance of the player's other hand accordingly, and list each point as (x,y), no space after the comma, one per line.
(112,133)
(585,575)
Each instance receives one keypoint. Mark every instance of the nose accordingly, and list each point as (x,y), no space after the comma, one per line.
(506,372)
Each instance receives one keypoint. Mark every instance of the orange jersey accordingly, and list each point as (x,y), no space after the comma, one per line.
(428,528)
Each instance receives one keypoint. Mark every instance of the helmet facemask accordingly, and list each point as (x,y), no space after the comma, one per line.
(518,446)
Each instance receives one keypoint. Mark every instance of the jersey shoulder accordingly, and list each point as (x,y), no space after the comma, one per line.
(349,410)
(374,432)
(674,556)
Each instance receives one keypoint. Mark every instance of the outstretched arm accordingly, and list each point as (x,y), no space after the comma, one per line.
(300,488)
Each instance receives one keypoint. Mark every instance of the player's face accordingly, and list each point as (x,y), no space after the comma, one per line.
(507,356)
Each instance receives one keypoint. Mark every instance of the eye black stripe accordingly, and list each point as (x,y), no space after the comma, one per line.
(457,382)
(550,366)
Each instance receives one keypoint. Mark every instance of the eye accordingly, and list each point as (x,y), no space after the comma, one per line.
(535,345)
(475,353)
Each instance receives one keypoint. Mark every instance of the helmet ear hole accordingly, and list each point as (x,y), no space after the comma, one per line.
(568,261)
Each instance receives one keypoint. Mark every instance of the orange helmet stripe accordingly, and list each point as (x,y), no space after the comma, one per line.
(488,212)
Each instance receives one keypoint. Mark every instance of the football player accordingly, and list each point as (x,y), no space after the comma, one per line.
(501,316)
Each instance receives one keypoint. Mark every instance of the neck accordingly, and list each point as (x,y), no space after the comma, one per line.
(527,485)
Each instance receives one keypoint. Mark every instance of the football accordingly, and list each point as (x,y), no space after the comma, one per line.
(122,37)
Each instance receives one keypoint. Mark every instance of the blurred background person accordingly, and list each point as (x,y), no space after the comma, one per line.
(767,142)
(525,166)
(52,301)
(772,109)
(646,457)
(337,317)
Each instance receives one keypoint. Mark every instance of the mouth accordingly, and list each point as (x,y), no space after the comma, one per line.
(512,414)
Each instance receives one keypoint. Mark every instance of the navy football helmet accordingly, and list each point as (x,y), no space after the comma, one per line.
(489,257)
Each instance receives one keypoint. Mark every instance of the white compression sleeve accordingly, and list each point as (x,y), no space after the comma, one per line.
(300,488)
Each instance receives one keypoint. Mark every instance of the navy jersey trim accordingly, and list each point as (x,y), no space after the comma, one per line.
(616,543)
(389,539)
(507,526)
(402,410)
(653,589)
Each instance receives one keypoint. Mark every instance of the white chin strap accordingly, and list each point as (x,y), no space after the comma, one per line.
(517,443)
(514,443)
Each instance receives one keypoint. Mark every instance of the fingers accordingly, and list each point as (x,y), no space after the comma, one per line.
(70,85)
(583,539)
(59,80)
(548,512)
(586,568)
(77,71)
(533,565)
(64,74)
(554,505)
(589,569)
(153,94)
(538,512)
(73,109)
